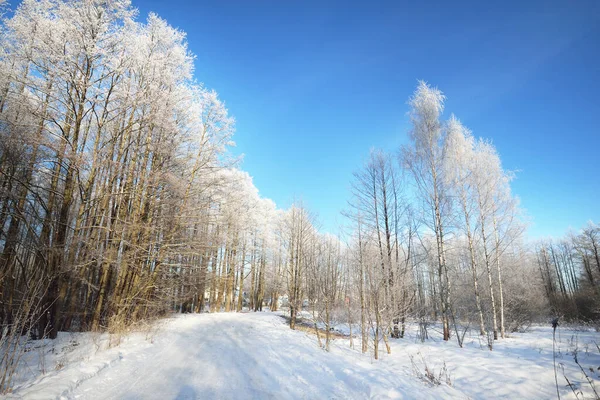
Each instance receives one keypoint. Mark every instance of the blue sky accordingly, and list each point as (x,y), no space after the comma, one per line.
(314,85)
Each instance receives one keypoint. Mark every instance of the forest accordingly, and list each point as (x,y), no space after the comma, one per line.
(120,203)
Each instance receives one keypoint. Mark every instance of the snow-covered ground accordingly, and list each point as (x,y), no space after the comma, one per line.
(256,356)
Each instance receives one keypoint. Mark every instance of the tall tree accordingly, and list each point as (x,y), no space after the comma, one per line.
(424,159)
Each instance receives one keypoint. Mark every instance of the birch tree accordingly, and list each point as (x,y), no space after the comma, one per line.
(424,159)
(459,166)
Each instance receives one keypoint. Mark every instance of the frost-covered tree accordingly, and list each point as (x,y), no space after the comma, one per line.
(424,159)
(110,154)
(459,167)
(298,232)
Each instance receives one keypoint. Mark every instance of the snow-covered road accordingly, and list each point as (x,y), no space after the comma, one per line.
(237,356)
(256,356)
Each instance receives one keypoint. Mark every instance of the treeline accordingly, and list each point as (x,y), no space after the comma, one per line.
(435,235)
(570,271)
(440,221)
(113,179)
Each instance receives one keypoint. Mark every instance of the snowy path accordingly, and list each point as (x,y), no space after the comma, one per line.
(228,356)
(242,356)
(256,356)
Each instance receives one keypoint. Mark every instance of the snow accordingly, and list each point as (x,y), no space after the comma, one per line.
(255,355)
(520,366)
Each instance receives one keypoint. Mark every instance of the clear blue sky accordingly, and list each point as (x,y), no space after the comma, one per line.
(314,85)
